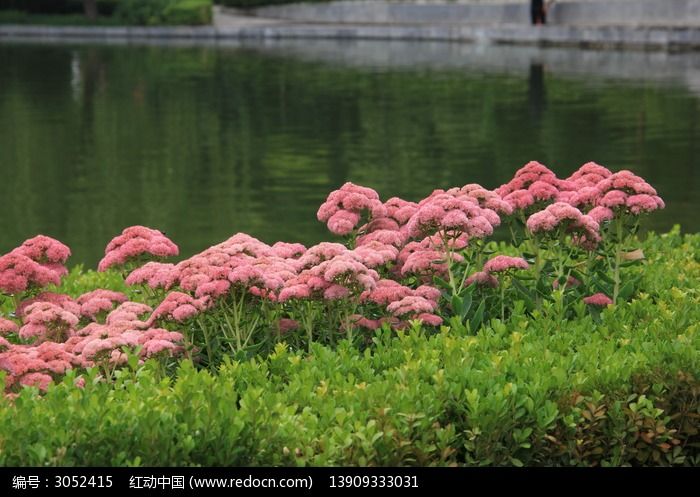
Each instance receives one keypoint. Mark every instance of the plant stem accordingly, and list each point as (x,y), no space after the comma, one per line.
(618,260)
(503,304)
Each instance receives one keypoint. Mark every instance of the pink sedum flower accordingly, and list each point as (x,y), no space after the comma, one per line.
(400,210)
(286,325)
(7,326)
(387,237)
(39,380)
(44,321)
(359,321)
(295,291)
(19,273)
(598,300)
(590,174)
(343,208)
(375,253)
(288,250)
(601,214)
(429,319)
(177,306)
(153,274)
(503,263)
(136,242)
(564,216)
(44,250)
(482,278)
(452,214)
(64,301)
(412,305)
(343,222)
(129,314)
(643,203)
(386,291)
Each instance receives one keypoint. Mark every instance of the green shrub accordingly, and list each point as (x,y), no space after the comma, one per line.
(104,7)
(189,12)
(621,391)
(156,12)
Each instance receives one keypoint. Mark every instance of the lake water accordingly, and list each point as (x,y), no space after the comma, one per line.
(203,141)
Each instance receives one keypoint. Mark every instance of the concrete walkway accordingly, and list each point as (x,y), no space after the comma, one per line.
(233,25)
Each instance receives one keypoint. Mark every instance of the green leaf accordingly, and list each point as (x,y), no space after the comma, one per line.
(526,294)
(457,305)
(466,305)
(626,291)
(475,322)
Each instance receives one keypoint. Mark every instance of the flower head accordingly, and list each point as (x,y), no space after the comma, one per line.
(503,263)
(598,300)
(482,278)
(135,242)
(44,249)
(7,326)
(344,207)
(18,273)
(562,216)
(154,274)
(45,321)
(177,306)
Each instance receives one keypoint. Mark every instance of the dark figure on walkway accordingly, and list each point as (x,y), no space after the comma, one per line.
(538,12)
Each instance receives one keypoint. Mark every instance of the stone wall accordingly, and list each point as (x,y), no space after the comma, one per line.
(571,12)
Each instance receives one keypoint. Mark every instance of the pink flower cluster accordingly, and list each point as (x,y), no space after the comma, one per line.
(19,273)
(628,192)
(334,278)
(37,365)
(99,302)
(44,321)
(504,263)
(590,174)
(396,242)
(59,345)
(105,343)
(532,183)
(482,278)
(403,303)
(452,213)
(47,252)
(61,300)
(598,300)
(563,216)
(153,274)
(344,207)
(178,306)
(136,242)
(7,326)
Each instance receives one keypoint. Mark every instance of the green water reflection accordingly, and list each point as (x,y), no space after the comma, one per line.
(202,142)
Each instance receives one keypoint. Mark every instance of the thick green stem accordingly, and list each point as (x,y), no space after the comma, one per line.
(450,273)
(618,260)
(308,320)
(207,341)
(16,299)
(503,302)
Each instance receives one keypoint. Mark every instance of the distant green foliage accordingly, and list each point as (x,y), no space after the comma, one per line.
(105,7)
(51,19)
(112,12)
(624,391)
(158,12)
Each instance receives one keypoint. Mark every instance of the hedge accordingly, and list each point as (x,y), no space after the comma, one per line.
(621,391)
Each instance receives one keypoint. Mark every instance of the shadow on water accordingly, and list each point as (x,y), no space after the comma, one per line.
(206,139)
